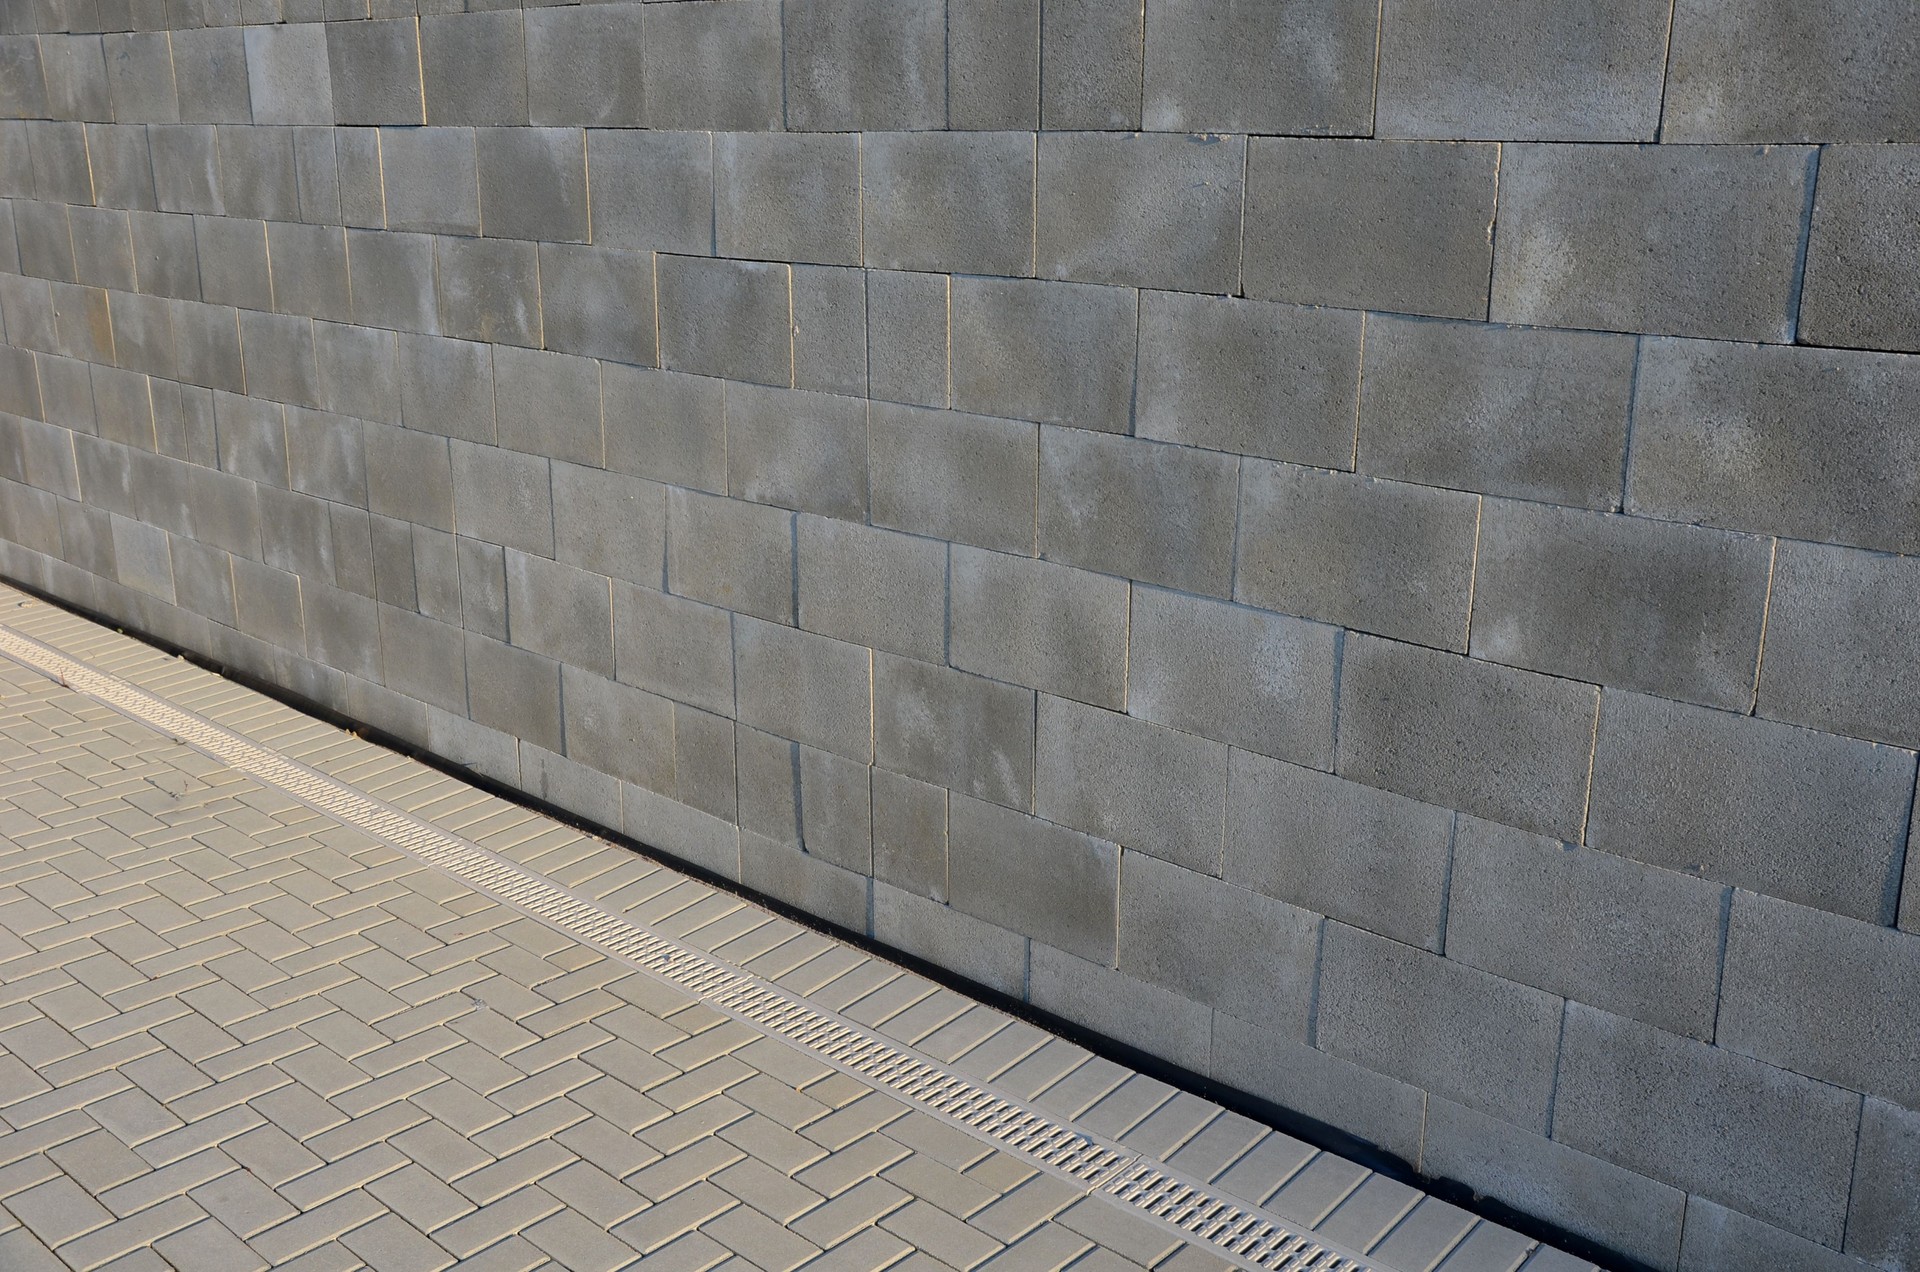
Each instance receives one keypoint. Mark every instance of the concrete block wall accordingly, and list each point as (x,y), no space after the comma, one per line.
(1369,550)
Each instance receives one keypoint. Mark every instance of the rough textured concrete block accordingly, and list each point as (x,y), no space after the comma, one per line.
(965,478)
(533,183)
(186,167)
(483,587)
(805,798)
(1277,381)
(910,845)
(1587,925)
(209,342)
(674,647)
(1259,681)
(474,68)
(548,404)
(376,72)
(907,337)
(1756,71)
(267,604)
(1670,610)
(1510,745)
(1138,784)
(489,290)
(392,278)
(1886,1186)
(308,264)
(732,319)
(731,553)
(23,86)
(666,426)
(872,587)
(968,734)
(446,387)
(166,261)
(278,352)
(801,879)
(854,65)
(210,75)
(1843,645)
(598,303)
(1272,68)
(781,196)
(704,775)
(993,64)
(810,688)
(830,329)
(585,66)
(609,523)
(258,174)
(1038,624)
(1813,818)
(75,68)
(651,190)
(102,248)
(797,449)
(143,335)
(140,78)
(45,234)
(1090,64)
(714,64)
(1141,210)
(1038,879)
(326,456)
(1422,248)
(356,169)
(1799,442)
(122,164)
(1379,556)
(945,937)
(233,262)
(958,202)
(409,475)
(288,75)
(514,691)
(1670,240)
(1772,1143)
(1510,71)
(614,729)
(82,323)
(1056,353)
(431,179)
(1717,1237)
(1862,241)
(503,497)
(1162,514)
(358,369)
(1502,410)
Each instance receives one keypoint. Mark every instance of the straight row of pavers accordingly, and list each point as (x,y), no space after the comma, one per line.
(1633,70)
(1729,224)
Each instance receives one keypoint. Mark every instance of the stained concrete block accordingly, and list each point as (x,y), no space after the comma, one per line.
(533,183)
(1510,745)
(446,387)
(1487,1043)
(1038,624)
(993,64)
(1886,1185)
(19,387)
(830,329)
(1862,240)
(1320,1086)
(75,69)
(474,68)
(278,354)
(233,262)
(308,264)
(375,68)
(1143,786)
(1509,71)
(1673,240)
(122,165)
(651,190)
(674,647)
(186,167)
(610,523)
(1377,556)
(598,302)
(810,688)
(908,337)
(731,553)
(503,497)
(872,587)
(1141,210)
(614,729)
(343,631)
(861,65)
(489,290)
(966,478)
(714,64)
(514,691)
(666,426)
(258,175)
(585,66)
(288,74)
(798,450)
(548,404)
(392,279)
(1799,442)
(785,196)
(1534,414)
(732,319)
(166,261)
(1091,54)
(140,558)
(910,845)
(955,202)
(1056,353)
(966,733)
(1032,877)
(431,179)
(82,323)
(326,456)
(1806,816)
(1670,610)
(1424,246)
(805,798)
(1773,1144)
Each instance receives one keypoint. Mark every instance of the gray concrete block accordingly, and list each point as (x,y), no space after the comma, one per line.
(75,68)
(1277,381)
(674,647)
(358,369)
(308,264)
(209,343)
(363,200)
(41,456)
(431,178)
(316,172)
(907,337)
(288,75)
(945,937)
(910,842)
(23,85)
(533,183)
(267,604)
(1038,624)
(872,587)
(1799,74)
(1618,1209)
(326,456)
(993,64)
(1026,875)
(1886,1186)
(732,319)
(210,75)
(514,691)
(165,258)
(651,190)
(102,248)
(810,688)
(394,580)
(1091,54)
(1383,557)
(569,784)
(1462,1034)
(616,730)
(489,290)
(123,404)
(483,587)
(82,323)
(830,329)
(562,612)
(966,478)
(19,386)
(1674,241)
(392,278)
(785,196)
(1141,210)
(186,167)
(59,154)
(353,551)
(1509,745)
(1146,787)
(446,387)
(258,174)
(714,64)
(140,78)
(343,630)
(1718,1238)
(687,833)
(856,65)
(798,450)
(1056,353)
(1587,925)
(1161,514)
(801,879)
(598,302)
(1860,243)
(1822,995)
(609,523)
(436,573)
(1806,816)
(955,202)
(27,308)
(45,239)
(122,164)
(375,67)
(584,66)
(278,353)
(233,262)
(503,497)
(966,733)
(1295,68)
(548,404)
(1799,442)
(805,798)
(1533,414)
(703,768)
(1507,71)
(143,336)
(1670,610)
(666,426)
(1320,1086)
(203,580)
(141,559)
(1424,248)
(1773,1144)
(731,553)
(474,68)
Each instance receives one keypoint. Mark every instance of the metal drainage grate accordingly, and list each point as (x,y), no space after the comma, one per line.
(1231,1229)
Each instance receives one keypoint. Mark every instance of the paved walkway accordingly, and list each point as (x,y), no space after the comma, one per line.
(272,996)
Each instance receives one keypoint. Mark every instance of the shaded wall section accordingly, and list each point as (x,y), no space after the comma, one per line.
(1361,549)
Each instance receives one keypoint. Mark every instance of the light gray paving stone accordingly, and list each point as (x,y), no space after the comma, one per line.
(651,190)
(854,65)
(1053,352)
(714,64)
(784,196)
(1142,210)
(1047,626)
(585,65)
(1161,514)
(1091,59)
(1224,67)
(952,201)
(1426,1236)
(1858,242)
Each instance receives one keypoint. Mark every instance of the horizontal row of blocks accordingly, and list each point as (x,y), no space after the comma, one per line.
(1707,241)
(1630,70)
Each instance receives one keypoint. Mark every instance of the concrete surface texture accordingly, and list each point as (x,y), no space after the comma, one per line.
(1362,549)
